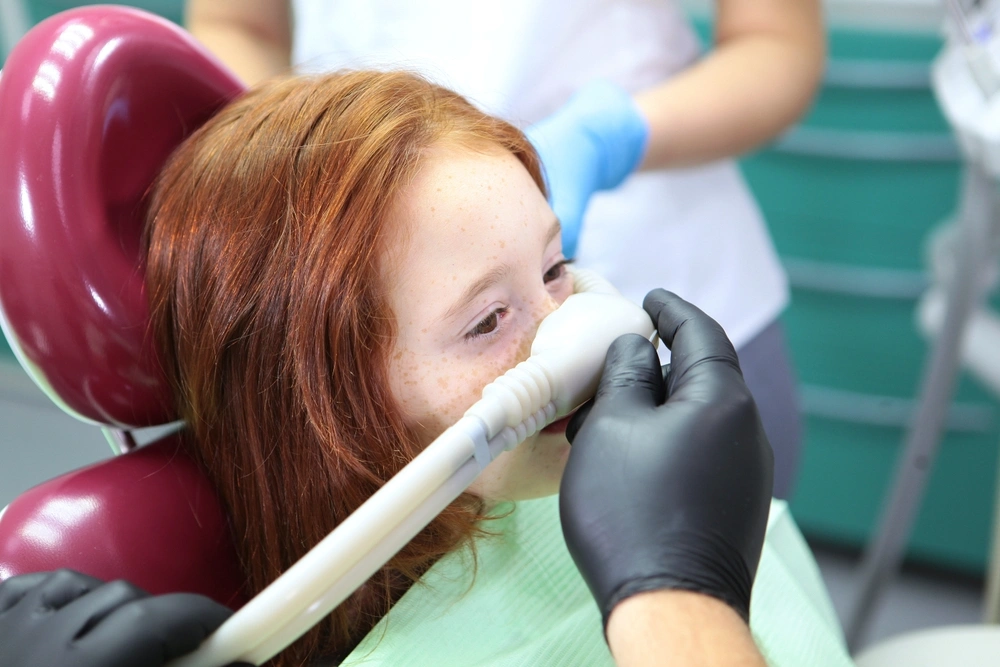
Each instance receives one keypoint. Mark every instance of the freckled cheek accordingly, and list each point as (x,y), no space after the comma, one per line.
(406,379)
(522,350)
(434,394)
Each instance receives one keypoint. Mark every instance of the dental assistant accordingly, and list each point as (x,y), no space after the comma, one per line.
(606,88)
(663,504)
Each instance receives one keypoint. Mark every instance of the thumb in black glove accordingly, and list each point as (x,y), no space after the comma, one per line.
(668,483)
(67,618)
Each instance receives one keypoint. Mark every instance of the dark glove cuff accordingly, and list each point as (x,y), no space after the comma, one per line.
(738,600)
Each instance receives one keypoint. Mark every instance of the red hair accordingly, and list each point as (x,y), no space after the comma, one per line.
(265,234)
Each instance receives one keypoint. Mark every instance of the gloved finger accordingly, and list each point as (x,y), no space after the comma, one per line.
(162,626)
(631,380)
(64,587)
(87,611)
(693,337)
(56,589)
(14,589)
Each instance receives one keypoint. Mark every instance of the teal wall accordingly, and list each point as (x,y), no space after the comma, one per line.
(171,9)
(850,196)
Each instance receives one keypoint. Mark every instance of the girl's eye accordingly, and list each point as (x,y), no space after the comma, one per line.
(557,271)
(488,325)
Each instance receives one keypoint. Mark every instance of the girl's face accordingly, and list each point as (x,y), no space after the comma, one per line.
(478,266)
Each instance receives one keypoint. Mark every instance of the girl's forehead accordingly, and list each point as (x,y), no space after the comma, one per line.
(461,202)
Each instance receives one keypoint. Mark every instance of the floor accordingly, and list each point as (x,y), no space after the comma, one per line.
(917,598)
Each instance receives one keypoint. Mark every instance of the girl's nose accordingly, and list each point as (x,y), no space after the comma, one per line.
(545,306)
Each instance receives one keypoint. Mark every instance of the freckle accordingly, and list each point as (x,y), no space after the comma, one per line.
(454,278)
(443,383)
(432,207)
(462,228)
(398,355)
(503,245)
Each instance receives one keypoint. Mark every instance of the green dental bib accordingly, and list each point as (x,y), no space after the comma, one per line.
(527,605)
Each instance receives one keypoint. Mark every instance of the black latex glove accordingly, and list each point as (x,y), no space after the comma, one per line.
(668,483)
(66,618)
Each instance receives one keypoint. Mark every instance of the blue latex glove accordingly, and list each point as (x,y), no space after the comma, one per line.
(591,143)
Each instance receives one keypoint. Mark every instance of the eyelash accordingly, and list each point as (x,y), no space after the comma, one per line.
(560,269)
(493,319)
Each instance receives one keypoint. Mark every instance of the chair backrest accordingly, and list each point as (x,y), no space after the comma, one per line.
(92,101)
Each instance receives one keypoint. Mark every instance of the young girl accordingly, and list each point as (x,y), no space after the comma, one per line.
(336,267)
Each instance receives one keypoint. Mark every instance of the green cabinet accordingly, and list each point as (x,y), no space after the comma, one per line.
(850,196)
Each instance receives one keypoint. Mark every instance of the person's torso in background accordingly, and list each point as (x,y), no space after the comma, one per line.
(694,231)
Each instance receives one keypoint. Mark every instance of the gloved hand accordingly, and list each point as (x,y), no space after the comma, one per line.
(591,143)
(67,618)
(668,483)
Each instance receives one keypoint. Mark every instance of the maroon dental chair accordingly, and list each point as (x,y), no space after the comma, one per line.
(92,101)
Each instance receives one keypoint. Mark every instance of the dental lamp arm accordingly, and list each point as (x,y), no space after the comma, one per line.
(668,483)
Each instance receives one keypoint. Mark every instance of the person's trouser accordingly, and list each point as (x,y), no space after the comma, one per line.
(767,369)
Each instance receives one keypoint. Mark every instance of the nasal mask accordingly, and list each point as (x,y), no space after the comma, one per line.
(560,374)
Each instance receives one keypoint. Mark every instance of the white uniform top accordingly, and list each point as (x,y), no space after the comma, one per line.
(697,232)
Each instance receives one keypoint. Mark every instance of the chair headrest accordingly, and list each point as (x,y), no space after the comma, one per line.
(150,517)
(92,101)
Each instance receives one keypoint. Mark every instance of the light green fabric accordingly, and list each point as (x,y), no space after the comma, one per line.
(527,604)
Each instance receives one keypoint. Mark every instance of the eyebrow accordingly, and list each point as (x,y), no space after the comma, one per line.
(554,230)
(492,277)
(486,281)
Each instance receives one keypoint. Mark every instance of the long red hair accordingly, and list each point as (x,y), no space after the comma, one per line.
(265,234)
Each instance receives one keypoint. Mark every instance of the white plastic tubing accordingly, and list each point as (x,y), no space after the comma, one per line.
(561,373)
